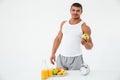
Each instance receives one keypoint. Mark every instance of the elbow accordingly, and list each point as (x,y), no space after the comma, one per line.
(57,40)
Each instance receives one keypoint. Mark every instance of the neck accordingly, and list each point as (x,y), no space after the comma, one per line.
(74,21)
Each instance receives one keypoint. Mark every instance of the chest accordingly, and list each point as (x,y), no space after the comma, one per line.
(72,30)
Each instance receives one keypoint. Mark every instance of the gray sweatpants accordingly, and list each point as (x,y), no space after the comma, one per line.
(69,63)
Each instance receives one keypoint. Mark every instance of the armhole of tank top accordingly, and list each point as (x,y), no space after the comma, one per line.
(64,22)
(63,25)
(82,22)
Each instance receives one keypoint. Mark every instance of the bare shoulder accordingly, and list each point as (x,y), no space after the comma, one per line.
(62,23)
(86,28)
(59,36)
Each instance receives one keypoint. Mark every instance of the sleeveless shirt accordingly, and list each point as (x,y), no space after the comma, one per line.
(70,45)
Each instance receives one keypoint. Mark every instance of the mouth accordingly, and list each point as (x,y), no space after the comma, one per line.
(75,15)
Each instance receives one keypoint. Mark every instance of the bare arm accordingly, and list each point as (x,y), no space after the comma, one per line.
(88,44)
(56,43)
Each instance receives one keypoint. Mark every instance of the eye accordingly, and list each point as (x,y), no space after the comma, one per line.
(73,10)
(78,10)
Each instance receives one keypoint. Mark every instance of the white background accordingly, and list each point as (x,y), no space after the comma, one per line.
(28,29)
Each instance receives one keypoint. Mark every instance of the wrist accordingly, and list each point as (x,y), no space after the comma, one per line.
(53,53)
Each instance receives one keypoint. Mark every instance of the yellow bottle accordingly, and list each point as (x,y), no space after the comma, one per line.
(44,70)
(44,74)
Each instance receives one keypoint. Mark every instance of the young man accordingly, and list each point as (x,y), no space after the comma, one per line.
(69,40)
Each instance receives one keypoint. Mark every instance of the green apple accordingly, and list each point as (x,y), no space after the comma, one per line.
(85,36)
(54,71)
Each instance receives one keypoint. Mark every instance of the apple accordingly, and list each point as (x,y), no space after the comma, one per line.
(54,71)
(85,36)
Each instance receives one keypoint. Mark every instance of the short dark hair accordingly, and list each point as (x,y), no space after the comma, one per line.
(77,5)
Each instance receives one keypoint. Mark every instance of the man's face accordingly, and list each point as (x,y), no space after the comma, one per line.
(75,12)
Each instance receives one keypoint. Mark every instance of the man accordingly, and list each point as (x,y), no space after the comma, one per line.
(69,40)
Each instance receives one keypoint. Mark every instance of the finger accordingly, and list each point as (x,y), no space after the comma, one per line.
(83,42)
(51,60)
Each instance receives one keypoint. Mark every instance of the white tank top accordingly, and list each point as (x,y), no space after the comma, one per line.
(71,41)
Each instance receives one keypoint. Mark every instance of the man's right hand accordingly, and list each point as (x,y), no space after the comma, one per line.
(52,59)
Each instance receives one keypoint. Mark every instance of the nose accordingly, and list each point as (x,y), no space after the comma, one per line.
(75,12)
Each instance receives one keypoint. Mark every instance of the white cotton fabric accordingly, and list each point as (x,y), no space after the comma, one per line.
(71,41)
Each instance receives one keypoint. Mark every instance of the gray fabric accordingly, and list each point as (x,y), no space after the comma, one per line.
(69,63)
